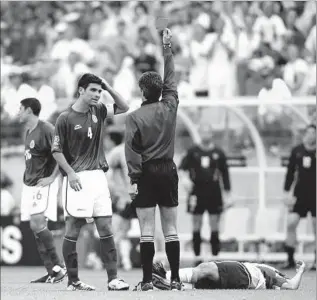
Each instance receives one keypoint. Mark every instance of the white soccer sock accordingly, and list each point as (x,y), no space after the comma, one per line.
(185,275)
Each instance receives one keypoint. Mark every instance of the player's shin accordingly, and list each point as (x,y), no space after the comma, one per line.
(109,256)
(47,239)
(71,258)
(173,255)
(44,255)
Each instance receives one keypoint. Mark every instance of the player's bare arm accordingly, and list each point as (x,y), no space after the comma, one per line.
(73,178)
(169,92)
(50,179)
(289,180)
(121,104)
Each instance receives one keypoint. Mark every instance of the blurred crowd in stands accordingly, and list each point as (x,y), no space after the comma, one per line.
(222,49)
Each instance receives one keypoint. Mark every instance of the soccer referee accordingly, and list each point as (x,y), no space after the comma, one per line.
(149,149)
(301,170)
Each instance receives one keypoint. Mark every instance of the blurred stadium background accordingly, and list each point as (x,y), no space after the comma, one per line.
(46,46)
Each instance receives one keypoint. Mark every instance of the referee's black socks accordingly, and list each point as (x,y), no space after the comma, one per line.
(196,242)
(173,255)
(147,252)
(215,243)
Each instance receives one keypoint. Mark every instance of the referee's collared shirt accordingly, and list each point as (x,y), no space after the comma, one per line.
(150,130)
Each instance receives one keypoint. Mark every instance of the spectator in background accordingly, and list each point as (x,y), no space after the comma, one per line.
(200,47)
(222,84)
(295,70)
(8,204)
(69,42)
(270,26)
(247,43)
(145,59)
(293,35)
(9,93)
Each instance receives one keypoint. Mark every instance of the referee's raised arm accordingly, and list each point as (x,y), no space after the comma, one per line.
(169,92)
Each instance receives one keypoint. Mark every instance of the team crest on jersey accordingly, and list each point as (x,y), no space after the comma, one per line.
(94,118)
(215,156)
(32,144)
(306,162)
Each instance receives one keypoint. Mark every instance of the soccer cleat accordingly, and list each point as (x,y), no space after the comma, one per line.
(59,274)
(161,283)
(144,287)
(44,279)
(118,285)
(79,286)
(176,286)
(159,269)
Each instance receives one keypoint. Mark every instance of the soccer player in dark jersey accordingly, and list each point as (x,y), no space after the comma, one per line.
(40,187)
(230,275)
(78,149)
(207,167)
(301,172)
(150,136)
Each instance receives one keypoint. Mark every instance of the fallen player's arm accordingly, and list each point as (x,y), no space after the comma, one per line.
(294,283)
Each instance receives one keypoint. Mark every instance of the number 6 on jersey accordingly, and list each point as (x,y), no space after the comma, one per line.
(89,132)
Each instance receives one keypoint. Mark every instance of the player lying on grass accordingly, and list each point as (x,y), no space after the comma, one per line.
(230,275)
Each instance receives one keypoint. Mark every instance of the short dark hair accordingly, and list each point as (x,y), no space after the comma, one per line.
(32,103)
(151,84)
(87,79)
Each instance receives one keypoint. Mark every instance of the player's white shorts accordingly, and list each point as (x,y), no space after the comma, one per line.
(257,278)
(37,200)
(93,200)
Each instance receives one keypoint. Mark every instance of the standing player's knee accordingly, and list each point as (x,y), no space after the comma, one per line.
(104,226)
(37,223)
(197,222)
(73,227)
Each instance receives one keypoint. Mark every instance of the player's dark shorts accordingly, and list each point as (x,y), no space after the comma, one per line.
(158,185)
(305,203)
(208,198)
(232,275)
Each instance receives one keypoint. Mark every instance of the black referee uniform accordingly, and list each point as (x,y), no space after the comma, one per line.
(302,170)
(207,168)
(150,136)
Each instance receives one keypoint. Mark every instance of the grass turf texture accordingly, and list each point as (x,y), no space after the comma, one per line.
(15,285)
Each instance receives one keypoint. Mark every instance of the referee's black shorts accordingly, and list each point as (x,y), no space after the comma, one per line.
(158,185)
(305,202)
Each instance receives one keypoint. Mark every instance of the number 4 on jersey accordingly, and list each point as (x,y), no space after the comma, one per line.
(89,132)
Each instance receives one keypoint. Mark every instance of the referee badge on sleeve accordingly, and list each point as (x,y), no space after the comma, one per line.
(94,119)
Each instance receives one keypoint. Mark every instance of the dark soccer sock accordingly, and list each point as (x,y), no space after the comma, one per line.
(173,255)
(43,255)
(71,258)
(108,254)
(290,254)
(147,252)
(47,239)
(196,242)
(215,243)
